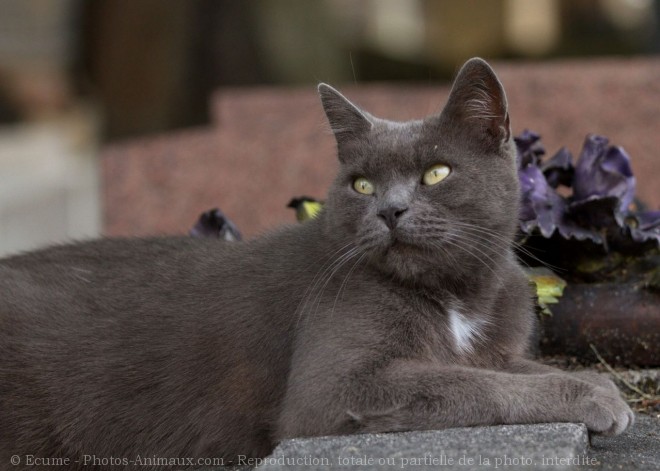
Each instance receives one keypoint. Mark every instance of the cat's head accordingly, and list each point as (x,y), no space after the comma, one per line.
(430,195)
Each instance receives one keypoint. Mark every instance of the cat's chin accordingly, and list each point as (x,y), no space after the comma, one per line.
(397,247)
(405,259)
(402,247)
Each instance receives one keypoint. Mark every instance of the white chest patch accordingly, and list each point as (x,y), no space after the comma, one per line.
(464,330)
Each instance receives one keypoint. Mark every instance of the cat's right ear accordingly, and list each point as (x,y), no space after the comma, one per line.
(346,119)
(477,103)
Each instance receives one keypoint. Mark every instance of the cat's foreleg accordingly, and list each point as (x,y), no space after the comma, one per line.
(417,396)
(526,366)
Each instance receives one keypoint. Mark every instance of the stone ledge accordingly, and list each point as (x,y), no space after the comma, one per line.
(637,448)
(539,446)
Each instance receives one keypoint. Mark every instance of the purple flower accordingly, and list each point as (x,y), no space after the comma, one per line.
(603,189)
(558,170)
(529,147)
(544,209)
(603,172)
(645,226)
(541,208)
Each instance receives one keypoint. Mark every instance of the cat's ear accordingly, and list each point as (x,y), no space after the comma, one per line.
(346,119)
(477,101)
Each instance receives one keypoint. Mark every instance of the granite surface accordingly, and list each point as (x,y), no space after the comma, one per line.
(512,447)
(543,446)
(636,449)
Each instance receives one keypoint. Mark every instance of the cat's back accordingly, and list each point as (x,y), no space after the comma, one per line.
(161,287)
(175,268)
(105,259)
(141,337)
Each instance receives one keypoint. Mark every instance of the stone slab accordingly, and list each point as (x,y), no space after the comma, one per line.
(636,449)
(541,446)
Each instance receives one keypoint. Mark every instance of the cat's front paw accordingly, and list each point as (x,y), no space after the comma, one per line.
(601,409)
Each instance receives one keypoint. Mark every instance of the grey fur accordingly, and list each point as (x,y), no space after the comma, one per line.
(180,347)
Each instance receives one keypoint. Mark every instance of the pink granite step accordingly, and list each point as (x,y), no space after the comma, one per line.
(266,145)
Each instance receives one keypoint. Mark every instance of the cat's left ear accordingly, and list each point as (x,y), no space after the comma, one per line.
(477,101)
(346,119)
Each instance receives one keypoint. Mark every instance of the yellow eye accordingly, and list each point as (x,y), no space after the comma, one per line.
(436,174)
(364,186)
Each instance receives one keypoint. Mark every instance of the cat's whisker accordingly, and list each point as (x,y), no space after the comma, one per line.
(454,223)
(453,262)
(319,278)
(302,305)
(445,231)
(478,245)
(498,243)
(314,295)
(483,233)
(483,241)
(346,258)
(330,259)
(491,232)
(456,265)
(466,250)
(504,241)
(345,282)
(367,240)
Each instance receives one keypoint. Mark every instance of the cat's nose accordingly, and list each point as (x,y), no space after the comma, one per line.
(391,215)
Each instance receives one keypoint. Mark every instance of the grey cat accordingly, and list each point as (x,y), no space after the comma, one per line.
(400,307)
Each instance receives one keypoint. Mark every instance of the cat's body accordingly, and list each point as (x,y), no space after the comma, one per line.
(400,307)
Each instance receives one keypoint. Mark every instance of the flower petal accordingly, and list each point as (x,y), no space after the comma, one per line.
(603,171)
(541,206)
(529,148)
(646,226)
(558,170)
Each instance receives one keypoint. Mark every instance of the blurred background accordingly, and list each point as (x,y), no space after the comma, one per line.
(77,76)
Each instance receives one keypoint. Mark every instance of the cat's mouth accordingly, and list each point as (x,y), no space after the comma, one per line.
(403,257)
(397,244)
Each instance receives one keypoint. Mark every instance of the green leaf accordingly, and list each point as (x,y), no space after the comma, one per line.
(306,208)
(309,210)
(549,287)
